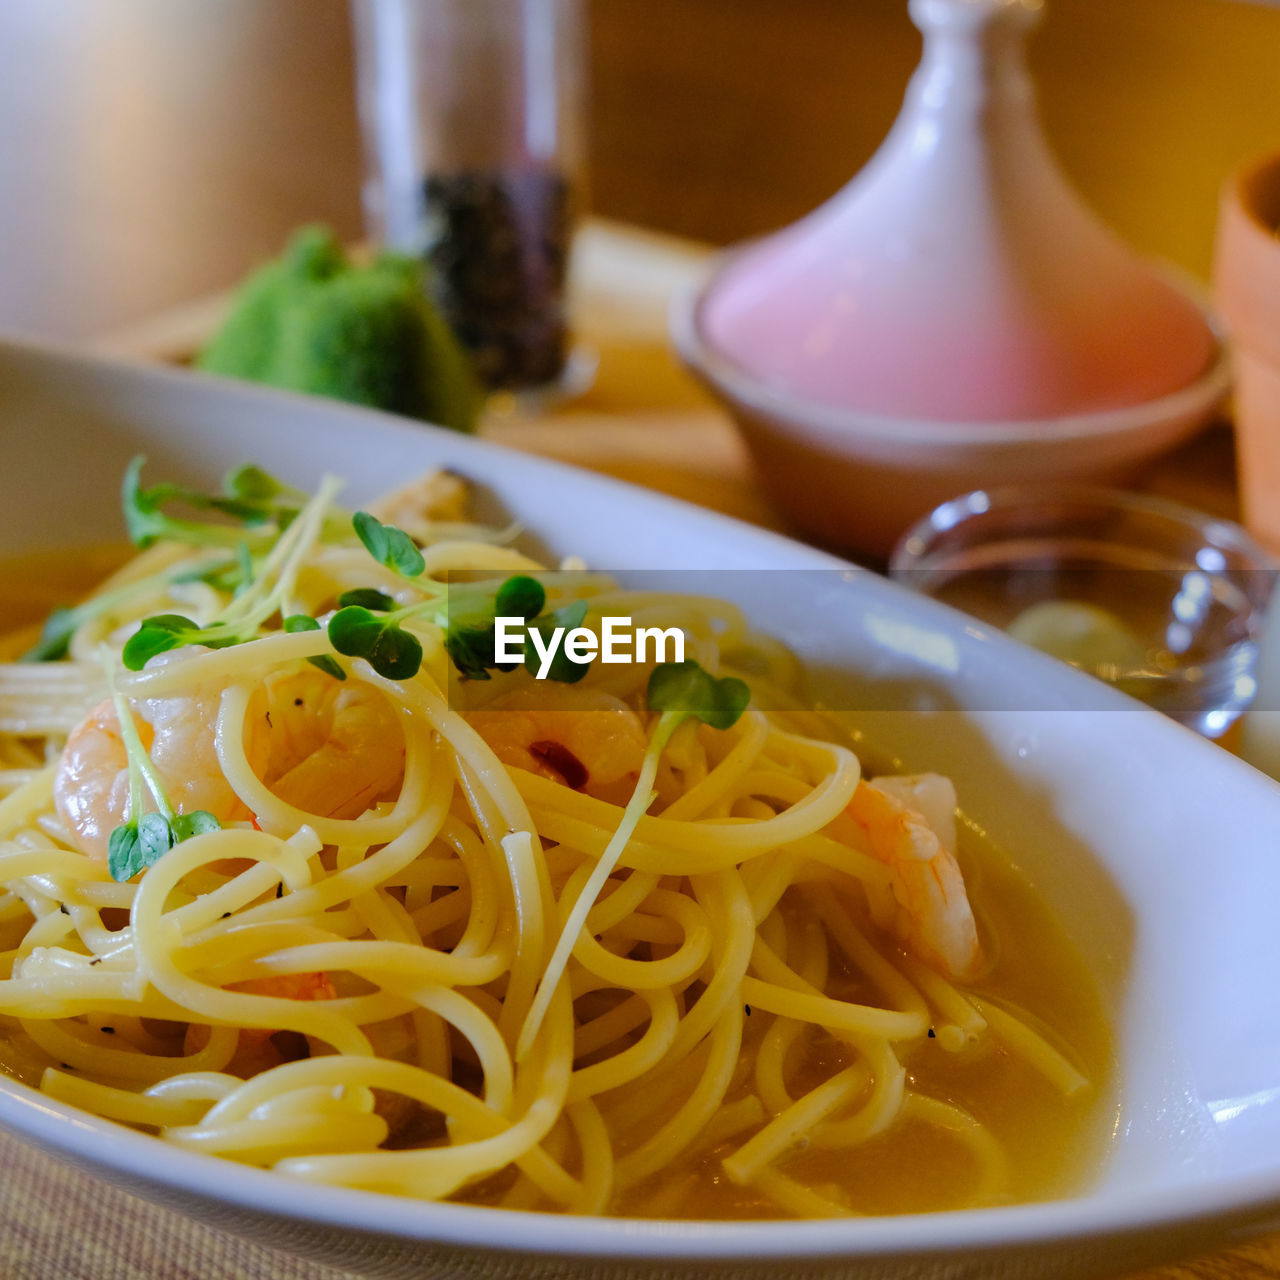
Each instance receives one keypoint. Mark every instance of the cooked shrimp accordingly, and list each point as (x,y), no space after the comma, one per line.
(438,497)
(328,747)
(909,824)
(261,1048)
(91,785)
(591,741)
(332,748)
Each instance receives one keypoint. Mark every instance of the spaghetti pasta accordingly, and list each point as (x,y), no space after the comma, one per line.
(332,976)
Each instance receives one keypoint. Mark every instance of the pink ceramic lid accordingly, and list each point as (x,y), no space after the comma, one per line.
(958,277)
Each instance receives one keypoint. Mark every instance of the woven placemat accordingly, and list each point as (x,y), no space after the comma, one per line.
(57,1223)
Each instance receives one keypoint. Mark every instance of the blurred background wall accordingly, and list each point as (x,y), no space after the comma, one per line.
(152,150)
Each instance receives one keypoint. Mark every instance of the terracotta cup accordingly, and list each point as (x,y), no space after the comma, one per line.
(1247,288)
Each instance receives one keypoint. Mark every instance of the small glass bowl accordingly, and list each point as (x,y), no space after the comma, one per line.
(1162,601)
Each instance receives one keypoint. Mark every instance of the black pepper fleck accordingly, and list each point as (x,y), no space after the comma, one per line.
(932,1036)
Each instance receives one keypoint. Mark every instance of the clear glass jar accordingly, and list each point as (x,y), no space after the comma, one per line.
(473,125)
(1162,601)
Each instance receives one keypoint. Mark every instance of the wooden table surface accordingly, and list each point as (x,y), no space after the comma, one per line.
(645,420)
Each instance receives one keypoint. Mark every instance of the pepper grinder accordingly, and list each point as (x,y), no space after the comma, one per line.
(472,117)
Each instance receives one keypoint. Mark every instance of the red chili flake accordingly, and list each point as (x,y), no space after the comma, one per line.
(563,761)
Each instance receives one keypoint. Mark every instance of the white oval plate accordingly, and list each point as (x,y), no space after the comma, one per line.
(1158,850)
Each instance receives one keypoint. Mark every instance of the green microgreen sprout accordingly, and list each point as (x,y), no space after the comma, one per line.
(55,635)
(368,598)
(470,636)
(142,840)
(393,652)
(678,691)
(368,625)
(251,500)
(264,595)
(233,576)
(684,690)
(389,546)
(62,624)
(268,519)
(563,668)
(274,535)
(305,622)
(519,597)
